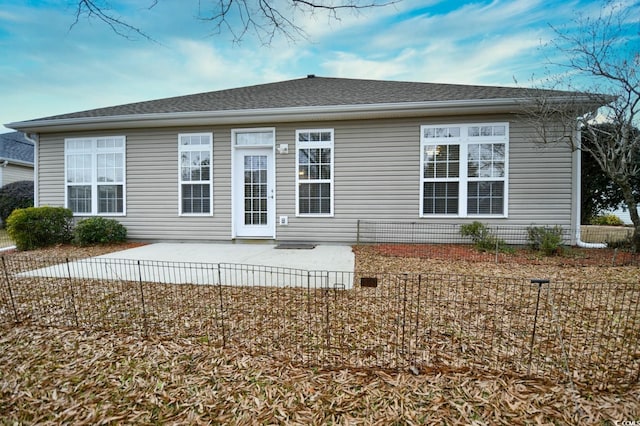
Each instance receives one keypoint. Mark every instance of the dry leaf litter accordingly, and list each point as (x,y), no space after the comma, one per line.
(59,375)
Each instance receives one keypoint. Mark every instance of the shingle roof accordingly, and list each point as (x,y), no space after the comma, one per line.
(306,92)
(14,146)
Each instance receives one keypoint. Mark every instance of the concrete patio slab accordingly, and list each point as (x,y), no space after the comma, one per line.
(319,258)
(212,264)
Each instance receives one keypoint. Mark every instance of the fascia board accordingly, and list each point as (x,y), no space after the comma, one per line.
(280,115)
(16,162)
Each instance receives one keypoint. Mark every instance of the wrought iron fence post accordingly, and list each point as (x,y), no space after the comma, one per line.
(309,349)
(404,313)
(327,318)
(497,231)
(221,302)
(6,278)
(535,319)
(73,296)
(144,308)
(418,307)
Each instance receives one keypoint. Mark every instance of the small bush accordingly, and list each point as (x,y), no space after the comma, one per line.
(482,237)
(545,239)
(98,230)
(16,195)
(36,227)
(607,220)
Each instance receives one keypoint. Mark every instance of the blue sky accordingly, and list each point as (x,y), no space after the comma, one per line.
(48,68)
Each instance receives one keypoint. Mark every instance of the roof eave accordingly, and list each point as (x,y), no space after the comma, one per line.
(289,114)
(16,162)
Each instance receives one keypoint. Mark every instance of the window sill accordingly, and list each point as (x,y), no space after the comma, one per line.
(99,214)
(472,217)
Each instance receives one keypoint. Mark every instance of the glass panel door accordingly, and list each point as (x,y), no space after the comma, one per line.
(253,193)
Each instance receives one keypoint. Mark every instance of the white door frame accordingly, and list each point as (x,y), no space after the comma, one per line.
(238,152)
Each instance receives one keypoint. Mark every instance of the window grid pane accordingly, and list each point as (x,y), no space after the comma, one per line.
(196,198)
(110,199)
(441,161)
(110,167)
(79,198)
(79,168)
(195,166)
(485,198)
(486,160)
(315,171)
(440,198)
(315,198)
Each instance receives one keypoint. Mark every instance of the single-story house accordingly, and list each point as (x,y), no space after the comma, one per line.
(304,159)
(16,158)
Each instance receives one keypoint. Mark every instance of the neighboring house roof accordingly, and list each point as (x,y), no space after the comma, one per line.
(305,98)
(16,147)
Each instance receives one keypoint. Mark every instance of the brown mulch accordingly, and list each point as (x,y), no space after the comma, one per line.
(71,251)
(563,257)
(379,258)
(68,376)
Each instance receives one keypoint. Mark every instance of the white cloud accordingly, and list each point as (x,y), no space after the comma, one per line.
(9,16)
(350,65)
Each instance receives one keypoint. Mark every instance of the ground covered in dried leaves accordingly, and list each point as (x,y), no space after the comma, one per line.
(53,376)
(67,376)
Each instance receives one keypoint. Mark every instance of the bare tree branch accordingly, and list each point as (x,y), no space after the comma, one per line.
(605,52)
(265,19)
(90,8)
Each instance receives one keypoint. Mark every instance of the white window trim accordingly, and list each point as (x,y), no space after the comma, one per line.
(94,175)
(183,148)
(464,141)
(318,144)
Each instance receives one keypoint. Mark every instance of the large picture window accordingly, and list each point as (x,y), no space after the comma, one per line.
(195,152)
(314,163)
(95,175)
(464,170)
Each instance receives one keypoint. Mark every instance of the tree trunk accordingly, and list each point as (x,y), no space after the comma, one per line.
(630,201)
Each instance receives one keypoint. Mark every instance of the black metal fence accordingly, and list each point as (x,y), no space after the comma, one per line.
(5,241)
(585,332)
(502,243)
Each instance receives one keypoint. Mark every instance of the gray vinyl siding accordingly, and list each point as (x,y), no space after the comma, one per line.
(14,173)
(50,157)
(376,177)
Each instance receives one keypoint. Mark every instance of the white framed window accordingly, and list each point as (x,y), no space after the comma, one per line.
(95,181)
(464,170)
(195,175)
(314,177)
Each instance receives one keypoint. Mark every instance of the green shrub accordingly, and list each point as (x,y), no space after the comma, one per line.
(545,239)
(98,230)
(35,227)
(607,220)
(482,238)
(16,195)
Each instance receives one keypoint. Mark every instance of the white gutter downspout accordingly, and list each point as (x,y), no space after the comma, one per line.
(578,180)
